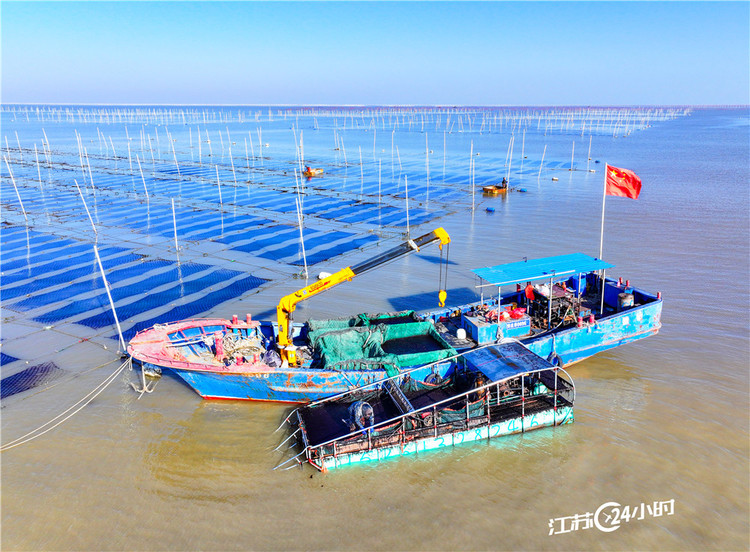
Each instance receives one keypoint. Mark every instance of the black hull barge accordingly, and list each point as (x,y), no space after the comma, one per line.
(491,391)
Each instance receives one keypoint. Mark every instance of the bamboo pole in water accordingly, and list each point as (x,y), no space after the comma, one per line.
(252,148)
(541,164)
(145,189)
(16,188)
(20,152)
(231,160)
(150,149)
(298,203)
(91,176)
(571,155)
(86,207)
(510,160)
(444,132)
(471,175)
(38,171)
(406,187)
(174,154)
(427,164)
(109,295)
(114,155)
(174,224)
(260,145)
(48,152)
(218,182)
(380,170)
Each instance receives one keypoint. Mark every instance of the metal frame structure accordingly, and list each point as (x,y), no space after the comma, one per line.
(493,395)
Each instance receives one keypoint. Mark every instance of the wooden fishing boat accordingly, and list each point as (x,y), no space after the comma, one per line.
(294,362)
(490,392)
(310,172)
(580,313)
(493,189)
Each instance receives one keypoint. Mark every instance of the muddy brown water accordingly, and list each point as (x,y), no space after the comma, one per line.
(664,419)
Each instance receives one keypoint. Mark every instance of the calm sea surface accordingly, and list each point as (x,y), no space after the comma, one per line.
(659,420)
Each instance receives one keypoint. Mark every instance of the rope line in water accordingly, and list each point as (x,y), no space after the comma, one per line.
(31,435)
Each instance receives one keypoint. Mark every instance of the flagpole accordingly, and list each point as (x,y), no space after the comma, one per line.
(604,197)
(601,236)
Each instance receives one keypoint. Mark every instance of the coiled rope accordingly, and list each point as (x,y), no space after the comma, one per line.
(38,432)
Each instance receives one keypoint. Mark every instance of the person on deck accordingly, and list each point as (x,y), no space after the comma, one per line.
(529,293)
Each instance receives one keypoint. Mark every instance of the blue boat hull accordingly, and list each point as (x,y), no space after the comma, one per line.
(299,385)
(575,344)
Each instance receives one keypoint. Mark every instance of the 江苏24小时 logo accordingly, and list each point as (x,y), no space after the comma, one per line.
(610,516)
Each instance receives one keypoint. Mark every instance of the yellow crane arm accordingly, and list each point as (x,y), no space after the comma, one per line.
(288,303)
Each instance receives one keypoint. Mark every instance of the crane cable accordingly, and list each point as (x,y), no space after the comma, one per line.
(443,281)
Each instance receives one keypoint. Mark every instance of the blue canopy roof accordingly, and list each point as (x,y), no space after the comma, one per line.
(500,362)
(540,269)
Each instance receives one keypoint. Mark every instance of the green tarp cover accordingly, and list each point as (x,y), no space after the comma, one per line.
(361,348)
(416,330)
(401,317)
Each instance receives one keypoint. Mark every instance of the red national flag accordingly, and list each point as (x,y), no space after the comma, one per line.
(622,183)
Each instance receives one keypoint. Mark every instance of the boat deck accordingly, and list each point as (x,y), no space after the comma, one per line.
(330,421)
(506,399)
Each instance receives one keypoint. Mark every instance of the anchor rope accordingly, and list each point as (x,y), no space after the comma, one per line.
(67,414)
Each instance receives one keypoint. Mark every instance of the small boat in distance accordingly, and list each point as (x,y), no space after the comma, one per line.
(494,189)
(310,172)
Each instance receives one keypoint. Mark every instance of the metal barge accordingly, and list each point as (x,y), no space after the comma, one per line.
(490,392)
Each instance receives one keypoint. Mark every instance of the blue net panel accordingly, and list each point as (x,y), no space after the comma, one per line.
(162,298)
(335,250)
(41,283)
(6,359)
(194,308)
(29,378)
(80,306)
(93,284)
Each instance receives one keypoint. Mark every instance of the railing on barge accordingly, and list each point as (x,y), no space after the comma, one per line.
(509,399)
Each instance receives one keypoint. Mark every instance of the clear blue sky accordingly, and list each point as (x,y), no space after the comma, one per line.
(485,53)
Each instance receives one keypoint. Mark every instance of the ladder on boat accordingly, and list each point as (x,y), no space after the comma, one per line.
(402,403)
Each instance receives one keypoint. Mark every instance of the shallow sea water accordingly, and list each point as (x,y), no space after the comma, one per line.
(665,418)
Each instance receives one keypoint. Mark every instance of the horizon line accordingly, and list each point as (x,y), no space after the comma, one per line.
(4,104)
